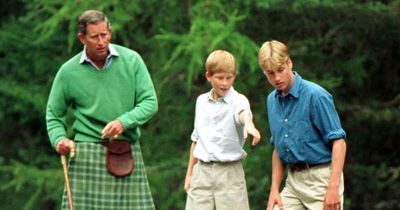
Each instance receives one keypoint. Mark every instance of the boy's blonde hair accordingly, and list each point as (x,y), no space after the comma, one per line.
(273,54)
(220,61)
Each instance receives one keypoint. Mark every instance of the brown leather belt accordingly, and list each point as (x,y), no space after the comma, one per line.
(217,162)
(302,166)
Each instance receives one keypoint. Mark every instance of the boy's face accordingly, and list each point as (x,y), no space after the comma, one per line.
(221,83)
(281,77)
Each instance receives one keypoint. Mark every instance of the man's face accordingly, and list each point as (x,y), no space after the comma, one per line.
(96,39)
(281,77)
(221,83)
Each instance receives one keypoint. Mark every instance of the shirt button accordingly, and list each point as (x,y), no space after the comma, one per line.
(285,120)
(287,150)
(286,135)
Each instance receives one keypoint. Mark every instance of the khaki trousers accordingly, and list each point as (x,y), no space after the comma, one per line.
(217,186)
(306,189)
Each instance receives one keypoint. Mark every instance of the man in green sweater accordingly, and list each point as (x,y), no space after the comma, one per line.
(111,94)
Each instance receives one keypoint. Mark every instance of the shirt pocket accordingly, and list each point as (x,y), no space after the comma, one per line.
(302,136)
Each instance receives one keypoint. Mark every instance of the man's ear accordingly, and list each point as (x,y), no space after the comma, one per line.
(81,37)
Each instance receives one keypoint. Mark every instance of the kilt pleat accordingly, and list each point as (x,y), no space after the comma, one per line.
(94,188)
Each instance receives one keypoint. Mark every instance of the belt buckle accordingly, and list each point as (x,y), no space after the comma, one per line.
(307,166)
(300,167)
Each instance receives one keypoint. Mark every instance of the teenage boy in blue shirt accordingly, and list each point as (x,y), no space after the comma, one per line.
(306,134)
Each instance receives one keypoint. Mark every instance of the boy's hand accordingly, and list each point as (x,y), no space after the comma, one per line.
(188,179)
(245,118)
(274,201)
(250,129)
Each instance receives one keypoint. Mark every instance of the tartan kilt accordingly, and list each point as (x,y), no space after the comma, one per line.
(93,187)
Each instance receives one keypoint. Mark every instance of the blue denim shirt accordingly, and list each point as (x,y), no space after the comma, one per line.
(303,123)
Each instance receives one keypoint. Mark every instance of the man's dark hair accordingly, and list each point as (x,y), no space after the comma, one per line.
(91,17)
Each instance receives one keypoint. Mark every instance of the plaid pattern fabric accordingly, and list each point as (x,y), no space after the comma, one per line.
(93,187)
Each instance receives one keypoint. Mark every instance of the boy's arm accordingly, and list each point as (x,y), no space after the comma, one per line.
(277,176)
(332,197)
(192,162)
(249,128)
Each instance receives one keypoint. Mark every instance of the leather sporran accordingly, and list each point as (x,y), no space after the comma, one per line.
(119,159)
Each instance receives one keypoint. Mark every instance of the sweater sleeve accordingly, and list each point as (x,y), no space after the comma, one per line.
(56,111)
(145,97)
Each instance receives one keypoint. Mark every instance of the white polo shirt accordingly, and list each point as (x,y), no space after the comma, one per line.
(217,129)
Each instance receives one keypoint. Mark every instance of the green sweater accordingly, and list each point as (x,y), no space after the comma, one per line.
(123,91)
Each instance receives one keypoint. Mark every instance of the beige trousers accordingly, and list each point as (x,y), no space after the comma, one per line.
(217,186)
(306,189)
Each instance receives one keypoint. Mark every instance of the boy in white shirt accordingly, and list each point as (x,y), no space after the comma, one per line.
(223,119)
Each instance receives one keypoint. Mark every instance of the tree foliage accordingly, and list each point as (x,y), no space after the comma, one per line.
(348,46)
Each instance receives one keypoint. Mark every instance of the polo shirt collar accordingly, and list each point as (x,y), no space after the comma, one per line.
(111,49)
(226,98)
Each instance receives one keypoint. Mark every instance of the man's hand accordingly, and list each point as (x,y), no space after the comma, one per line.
(66,146)
(112,130)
